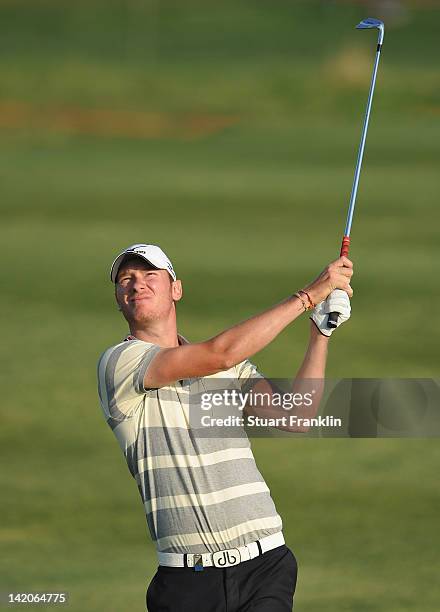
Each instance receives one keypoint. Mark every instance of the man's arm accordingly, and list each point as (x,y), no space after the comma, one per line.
(244,339)
(309,379)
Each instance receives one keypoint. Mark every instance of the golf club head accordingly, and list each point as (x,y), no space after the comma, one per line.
(367,24)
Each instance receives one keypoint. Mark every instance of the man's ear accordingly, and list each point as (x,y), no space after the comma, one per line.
(176,290)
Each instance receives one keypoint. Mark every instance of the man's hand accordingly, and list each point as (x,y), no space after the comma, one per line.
(337,301)
(336,275)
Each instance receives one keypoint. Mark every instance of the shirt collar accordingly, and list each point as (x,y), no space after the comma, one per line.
(181,339)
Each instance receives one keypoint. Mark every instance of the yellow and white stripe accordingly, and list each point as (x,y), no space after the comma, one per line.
(215,538)
(205,499)
(192,461)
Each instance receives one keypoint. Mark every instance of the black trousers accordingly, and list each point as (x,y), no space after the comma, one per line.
(264,584)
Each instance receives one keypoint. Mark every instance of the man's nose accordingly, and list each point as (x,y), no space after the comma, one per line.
(138,283)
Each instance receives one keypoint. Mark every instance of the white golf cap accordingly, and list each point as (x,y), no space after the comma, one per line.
(151,253)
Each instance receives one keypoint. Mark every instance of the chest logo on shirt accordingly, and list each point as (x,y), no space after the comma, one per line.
(226,558)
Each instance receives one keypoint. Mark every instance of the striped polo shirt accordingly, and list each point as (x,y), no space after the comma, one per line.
(200,494)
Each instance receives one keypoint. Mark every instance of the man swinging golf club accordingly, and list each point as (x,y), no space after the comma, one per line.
(209,511)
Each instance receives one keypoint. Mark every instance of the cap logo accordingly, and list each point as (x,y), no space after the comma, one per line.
(136,251)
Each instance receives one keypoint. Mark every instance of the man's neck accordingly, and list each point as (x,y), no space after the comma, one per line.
(161,337)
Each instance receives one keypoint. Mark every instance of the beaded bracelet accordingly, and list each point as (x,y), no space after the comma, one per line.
(297,295)
(308,306)
(312,304)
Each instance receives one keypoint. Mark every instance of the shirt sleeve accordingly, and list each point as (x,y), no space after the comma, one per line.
(121,372)
(247,375)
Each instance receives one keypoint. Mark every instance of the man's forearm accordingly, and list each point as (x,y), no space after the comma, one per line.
(247,338)
(311,374)
(308,384)
(315,359)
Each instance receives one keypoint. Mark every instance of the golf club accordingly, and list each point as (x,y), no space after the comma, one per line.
(363,25)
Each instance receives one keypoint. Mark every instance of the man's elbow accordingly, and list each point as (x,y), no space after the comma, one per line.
(223,363)
(228,362)
(221,357)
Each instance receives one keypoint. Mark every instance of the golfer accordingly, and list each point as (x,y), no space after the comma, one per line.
(218,535)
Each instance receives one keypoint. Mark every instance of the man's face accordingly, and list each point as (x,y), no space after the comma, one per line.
(144,293)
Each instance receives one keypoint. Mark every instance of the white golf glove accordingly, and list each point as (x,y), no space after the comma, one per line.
(337,301)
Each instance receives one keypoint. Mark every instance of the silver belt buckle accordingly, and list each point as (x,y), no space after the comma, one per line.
(226,558)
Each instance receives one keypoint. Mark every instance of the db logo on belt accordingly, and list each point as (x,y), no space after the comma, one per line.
(226,558)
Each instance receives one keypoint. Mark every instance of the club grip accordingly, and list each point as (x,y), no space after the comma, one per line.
(345,247)
(332,320)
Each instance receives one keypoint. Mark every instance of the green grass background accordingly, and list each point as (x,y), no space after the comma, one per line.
(248,214)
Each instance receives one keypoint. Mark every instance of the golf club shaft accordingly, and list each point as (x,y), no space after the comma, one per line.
(345,247)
